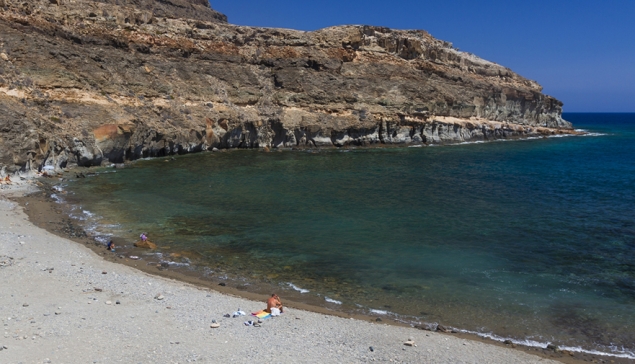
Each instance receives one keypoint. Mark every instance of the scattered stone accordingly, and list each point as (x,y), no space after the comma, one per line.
(409,343)
(215,325)
(108,303)
(118,303)
(209,295)
(378,319)
(553,347)
(104,272)
(159,297)
(442,328)
(507,342)
(514,345)
(371,348)
(98,289)
(222,284)
(58,313)
(25,305)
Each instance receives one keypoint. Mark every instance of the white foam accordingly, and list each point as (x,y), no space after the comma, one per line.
(332,300)
(57,198)
(301,290)
(176,264)
(379,312)
(618,353)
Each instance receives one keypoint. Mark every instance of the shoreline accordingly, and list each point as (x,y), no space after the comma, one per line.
(55,216)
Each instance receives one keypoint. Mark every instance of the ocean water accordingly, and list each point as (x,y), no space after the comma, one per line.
(530,240)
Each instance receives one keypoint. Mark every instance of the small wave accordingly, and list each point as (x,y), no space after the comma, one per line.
(104,239)
(332,300)
(379,312)
(175,264)
(301,290)
(57,198)
(537,344)
(88,213)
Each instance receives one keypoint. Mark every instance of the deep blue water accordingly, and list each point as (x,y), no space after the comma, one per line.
(532,240)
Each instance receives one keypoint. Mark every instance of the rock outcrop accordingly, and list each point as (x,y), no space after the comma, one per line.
(88,82)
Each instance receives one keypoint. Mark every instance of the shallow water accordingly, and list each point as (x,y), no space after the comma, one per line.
(530,240)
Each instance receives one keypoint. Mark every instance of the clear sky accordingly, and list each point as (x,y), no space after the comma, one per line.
(581,51)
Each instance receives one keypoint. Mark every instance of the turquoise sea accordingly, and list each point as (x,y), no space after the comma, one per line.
(532,240)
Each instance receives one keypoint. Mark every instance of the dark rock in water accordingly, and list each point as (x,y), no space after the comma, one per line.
(553,347)
(507,342)
(239,87)
(165,265)
(222,284)
(442,328)
(378,319)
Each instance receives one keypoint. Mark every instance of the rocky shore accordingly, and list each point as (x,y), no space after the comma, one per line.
(62,302)
(89,82)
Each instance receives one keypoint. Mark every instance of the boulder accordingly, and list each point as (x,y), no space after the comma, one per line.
(145,244)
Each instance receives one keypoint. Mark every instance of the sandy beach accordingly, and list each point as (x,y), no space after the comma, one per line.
(63,303)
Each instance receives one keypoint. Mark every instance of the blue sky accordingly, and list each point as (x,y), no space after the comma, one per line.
(582,51)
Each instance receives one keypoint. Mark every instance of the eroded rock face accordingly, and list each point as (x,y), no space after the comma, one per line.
(90,82)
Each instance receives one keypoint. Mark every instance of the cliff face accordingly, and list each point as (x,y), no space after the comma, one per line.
(87,82)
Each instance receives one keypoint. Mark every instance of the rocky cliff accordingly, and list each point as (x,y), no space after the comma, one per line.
(92,81)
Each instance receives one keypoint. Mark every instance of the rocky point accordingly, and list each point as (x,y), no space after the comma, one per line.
(88,82)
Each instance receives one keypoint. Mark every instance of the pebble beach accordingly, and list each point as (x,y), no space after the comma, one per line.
(61,303)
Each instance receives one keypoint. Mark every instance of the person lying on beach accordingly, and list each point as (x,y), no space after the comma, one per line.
(111,246)
(274,302)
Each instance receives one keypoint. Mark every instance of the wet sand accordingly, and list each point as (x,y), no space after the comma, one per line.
(359,332)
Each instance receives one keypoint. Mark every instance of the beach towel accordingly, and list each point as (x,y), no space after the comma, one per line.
(263,315)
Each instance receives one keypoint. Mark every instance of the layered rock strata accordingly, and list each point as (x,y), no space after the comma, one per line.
(89,82)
